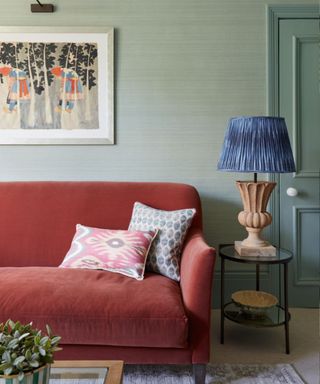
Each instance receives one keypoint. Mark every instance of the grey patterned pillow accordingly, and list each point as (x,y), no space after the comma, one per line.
(165,251)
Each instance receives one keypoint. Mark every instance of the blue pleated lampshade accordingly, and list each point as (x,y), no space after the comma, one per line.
(257,144)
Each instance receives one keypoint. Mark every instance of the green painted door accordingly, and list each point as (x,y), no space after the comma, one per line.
(299,103)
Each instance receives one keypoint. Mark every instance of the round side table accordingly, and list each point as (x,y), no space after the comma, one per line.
(276,316)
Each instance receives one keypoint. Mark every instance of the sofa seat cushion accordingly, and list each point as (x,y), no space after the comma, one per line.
(96,307)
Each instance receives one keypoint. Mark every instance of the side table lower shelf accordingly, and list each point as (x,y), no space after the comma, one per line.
(274,316)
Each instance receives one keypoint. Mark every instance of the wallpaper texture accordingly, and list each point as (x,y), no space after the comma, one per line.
(182,69)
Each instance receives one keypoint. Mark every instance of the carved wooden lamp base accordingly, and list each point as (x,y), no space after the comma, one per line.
(242,250)
(255,196)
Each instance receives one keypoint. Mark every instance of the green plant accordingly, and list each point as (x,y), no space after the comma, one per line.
(24,349)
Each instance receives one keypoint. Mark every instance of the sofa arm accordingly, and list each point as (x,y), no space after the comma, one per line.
(197,266)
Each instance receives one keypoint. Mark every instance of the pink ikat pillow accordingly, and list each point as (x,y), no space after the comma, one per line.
(112,250)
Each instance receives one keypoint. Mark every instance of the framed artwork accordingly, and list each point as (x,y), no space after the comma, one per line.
(56,85)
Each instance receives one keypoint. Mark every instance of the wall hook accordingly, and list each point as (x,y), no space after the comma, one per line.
(42,7)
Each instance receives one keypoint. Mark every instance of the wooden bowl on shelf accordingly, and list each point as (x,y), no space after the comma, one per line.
(254,303)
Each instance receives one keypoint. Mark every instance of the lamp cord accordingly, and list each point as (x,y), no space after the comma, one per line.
(41,5)
(255,178)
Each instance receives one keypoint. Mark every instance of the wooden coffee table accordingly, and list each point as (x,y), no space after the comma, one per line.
(86,372)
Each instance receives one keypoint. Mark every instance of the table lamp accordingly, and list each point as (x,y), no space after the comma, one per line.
(256,144)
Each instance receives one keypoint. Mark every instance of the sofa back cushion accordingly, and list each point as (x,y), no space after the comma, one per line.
(37,219)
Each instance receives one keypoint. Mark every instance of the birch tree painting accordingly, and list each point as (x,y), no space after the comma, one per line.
(48,85)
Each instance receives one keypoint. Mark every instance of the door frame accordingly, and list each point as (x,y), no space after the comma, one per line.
(274,14)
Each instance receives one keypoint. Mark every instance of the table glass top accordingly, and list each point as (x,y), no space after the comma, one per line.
(228,251)
(77,375)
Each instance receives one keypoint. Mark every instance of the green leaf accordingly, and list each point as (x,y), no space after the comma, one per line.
(44,340)
(19,360)
(6,357)
(16,334)
(28,354)
(21,376)
(55,340)
(49,331)
(24,336)
(8,371)
(13,344)
(34,363)
(55,349)
(35,356)
(4,366)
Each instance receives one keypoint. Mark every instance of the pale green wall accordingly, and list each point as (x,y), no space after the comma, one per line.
(182,68)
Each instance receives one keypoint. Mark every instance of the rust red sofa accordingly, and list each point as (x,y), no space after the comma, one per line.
(100,314)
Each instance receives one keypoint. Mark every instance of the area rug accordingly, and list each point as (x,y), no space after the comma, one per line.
(216,374)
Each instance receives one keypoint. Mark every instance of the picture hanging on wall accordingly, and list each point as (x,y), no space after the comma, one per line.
(56,85)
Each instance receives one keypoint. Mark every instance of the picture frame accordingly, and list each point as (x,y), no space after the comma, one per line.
(56,85)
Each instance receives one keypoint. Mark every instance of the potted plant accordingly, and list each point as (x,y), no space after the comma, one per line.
(25,351)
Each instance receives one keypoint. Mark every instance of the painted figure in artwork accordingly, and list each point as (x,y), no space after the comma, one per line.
(71,88)
(18,87)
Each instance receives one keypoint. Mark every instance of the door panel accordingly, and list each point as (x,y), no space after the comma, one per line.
(299,103)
